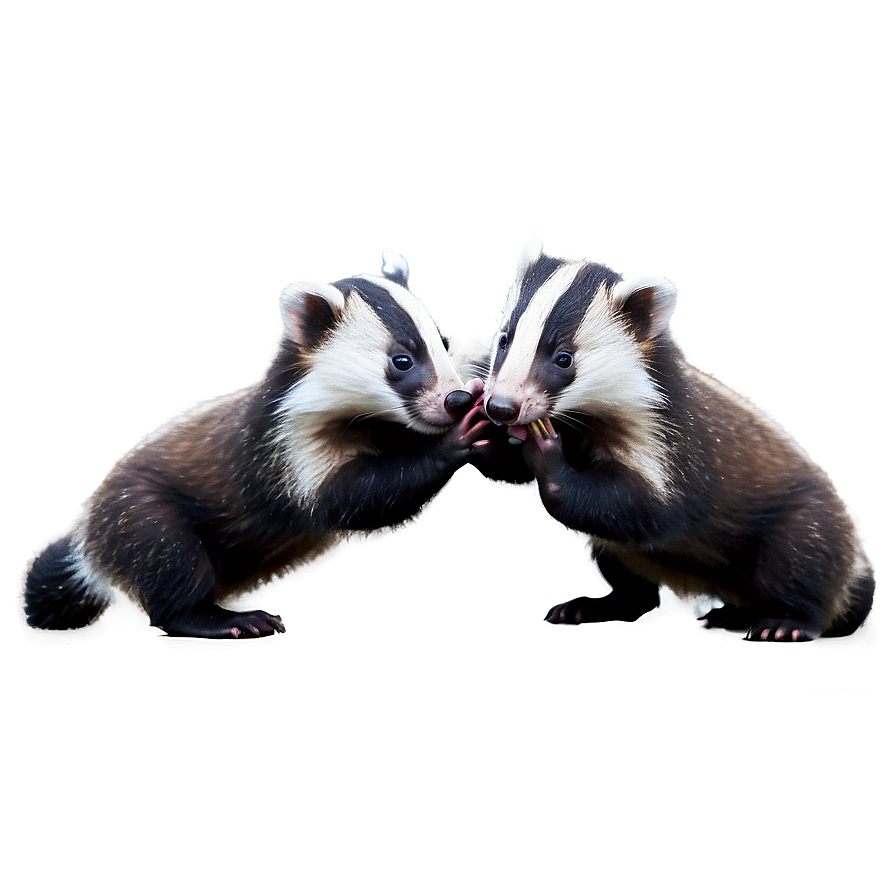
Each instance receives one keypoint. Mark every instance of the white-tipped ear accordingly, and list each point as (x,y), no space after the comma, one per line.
(309,310)
(649,303)
(395,267)
(532,251)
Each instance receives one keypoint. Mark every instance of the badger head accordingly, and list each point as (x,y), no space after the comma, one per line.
(367,347)
(575,338)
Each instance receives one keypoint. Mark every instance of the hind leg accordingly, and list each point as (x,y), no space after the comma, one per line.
(630,598)
(793,583)
(180,601)
(153,553)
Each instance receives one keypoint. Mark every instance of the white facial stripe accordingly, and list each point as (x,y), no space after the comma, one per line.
(610,371)
(347,375)
(447,378)
(516,368)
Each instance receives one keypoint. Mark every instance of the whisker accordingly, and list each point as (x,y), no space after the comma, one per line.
(570,419)
(369,414)
(476,368)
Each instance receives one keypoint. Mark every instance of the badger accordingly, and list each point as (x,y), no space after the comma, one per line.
(359,421)
(677,479)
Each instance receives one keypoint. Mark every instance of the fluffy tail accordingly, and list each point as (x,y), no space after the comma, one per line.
(861,595)
(58,591)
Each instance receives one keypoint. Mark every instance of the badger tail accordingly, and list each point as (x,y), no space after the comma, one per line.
(59,590)
(861,597)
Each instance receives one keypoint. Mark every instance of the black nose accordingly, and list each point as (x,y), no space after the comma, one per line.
(502,410)
(457,403)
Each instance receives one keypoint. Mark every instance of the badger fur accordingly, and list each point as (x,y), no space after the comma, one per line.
(359,421)
(678,480)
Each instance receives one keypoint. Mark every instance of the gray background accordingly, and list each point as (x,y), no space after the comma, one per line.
(419,729)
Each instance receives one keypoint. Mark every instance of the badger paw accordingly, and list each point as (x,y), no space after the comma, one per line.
(256,624)
(783,630)
(468,435)
(595,610)
(216,622)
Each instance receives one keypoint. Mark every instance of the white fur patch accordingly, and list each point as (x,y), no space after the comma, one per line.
(95,582)
(514,377)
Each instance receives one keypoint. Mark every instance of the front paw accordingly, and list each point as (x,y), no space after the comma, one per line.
(617,606)
(466,437)
(543,451)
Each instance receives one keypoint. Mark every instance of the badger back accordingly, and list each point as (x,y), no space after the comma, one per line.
(575,338)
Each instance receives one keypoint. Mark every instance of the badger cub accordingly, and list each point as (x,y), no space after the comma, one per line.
(359,421)
(678,480)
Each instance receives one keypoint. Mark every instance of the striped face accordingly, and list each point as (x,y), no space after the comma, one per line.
(573,340)
(369,349)
(361,348)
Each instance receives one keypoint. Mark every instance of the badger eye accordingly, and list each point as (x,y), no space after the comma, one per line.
(402,362)
(502,341)
(564,360)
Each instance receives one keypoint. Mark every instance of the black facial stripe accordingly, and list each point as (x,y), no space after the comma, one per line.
(396,320)
(406,338)
(570,308)
(534,278)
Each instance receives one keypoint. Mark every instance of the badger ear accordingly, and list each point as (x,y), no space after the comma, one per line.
(532,251)
(395,267)
(648,302)
(309,310)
